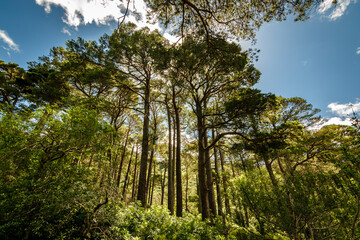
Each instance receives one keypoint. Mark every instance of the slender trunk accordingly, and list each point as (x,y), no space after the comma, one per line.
(171,196)
(134,177)
(209,178)
(198,192)
(186,193)
(232,167)
(217,179)
(114,163)
(163,185)
(148,184)
(122,158)
(127,173)
(153,186)
(271,172)
(144,146)
(203,187)
(225,182)
(152,154)
(179,201)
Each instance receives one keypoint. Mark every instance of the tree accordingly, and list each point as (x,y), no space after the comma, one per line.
(204,73)
(238,19)
(134,54)
(13,85)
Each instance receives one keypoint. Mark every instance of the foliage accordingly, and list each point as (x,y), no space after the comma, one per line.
(70,139)
(46,187)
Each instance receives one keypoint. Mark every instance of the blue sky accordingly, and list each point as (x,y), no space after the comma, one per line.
(318,59)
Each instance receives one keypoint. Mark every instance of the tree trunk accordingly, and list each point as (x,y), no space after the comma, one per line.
(271,172)
(142,191)
(171,196)
(153,186)
(225,181)
(209,178)
(148,187)
(134,177)
(127,173)
(198,193)
(122,158)
(203,189)
(163,185)
(179,202)
(217,179)
(152,154)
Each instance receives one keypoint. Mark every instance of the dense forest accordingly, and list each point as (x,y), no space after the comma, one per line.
(131,137)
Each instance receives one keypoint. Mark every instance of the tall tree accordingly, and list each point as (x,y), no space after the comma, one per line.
(135,54)
(204,72)
(239,19)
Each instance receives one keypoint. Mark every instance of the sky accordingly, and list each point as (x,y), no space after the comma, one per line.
(318,59)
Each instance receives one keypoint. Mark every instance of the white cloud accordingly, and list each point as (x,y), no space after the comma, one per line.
(337,10)
(358,50)
(5,37)
(330,121)
(337,121)
(101,12)
(344,110)
(78,12)
(66,31)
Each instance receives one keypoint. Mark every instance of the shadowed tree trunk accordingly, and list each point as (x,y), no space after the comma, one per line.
(152,154)
(203,188)
(171,189)
(209,178)
(134,176)
(225,182)
(163,185)
(142,190)
(217,179)
(122,158)
(179,202)
(153,185)
(127,173)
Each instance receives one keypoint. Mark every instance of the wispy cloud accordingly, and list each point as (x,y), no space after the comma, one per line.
(6,38)
(100,12)
(336,10)
(358,50)
(66,31)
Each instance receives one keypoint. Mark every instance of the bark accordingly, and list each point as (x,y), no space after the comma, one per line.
(225,181)
(209,178)
(148,185)
(198,193)
(122,158)
(171,196)
(217,179)
(142,191)
(127,173)
(163,185)
(186,191)
(203,187)
(153,186)
(134,176)
(152,153)
(271,172)
(179,201)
